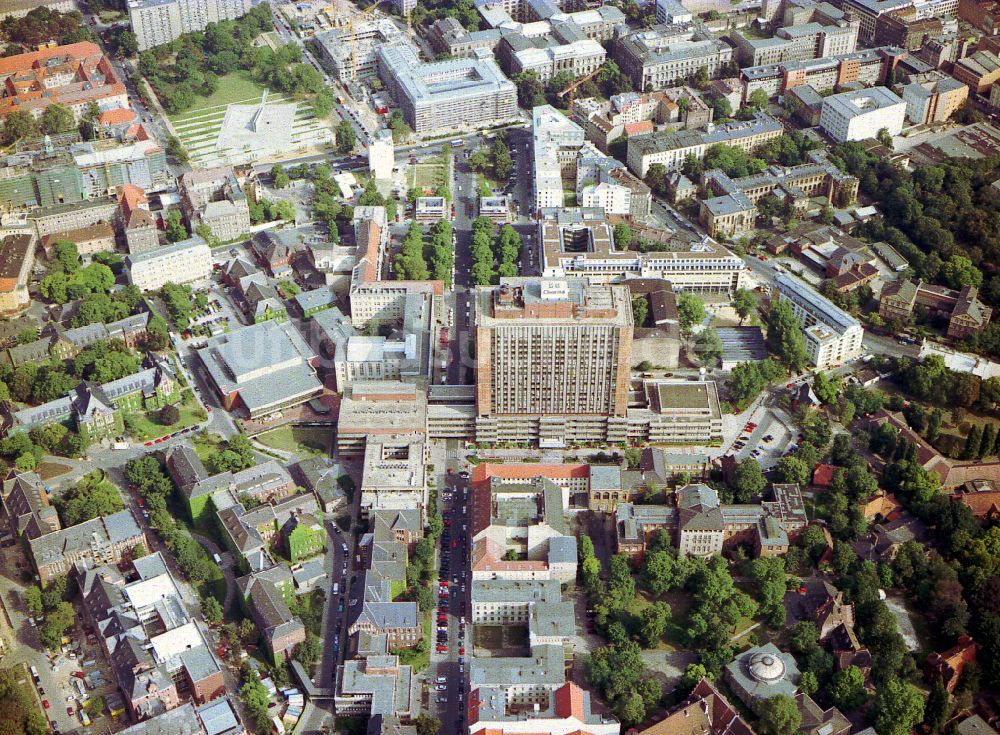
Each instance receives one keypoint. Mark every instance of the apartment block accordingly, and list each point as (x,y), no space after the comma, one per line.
(552,348)
(606,121)
(74,75)
(155,22)
(811,40)
(393,474)
(667,54)
(980,71)
(671,149)
(983,14)
(447,95)
(934,98)
(832,335)
(582,245)
(181,262)
(867,67)
(214,198)
(72,215)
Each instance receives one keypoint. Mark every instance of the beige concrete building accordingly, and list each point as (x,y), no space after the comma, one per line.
(213,197)
(553,359)
(155,22)
(664,55)
(183,262)
(17,255)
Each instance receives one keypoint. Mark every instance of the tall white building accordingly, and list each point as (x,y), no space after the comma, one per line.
(556,141)
(183,262)
(156,22)
(381,155)
(832,335)
(861,115)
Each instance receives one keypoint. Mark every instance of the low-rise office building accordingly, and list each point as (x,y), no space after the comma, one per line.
(17,257)
(606,121)
(181,262)
(102,540)
(965,313)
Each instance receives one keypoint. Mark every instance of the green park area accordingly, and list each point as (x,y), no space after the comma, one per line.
(145,425)
(302,441)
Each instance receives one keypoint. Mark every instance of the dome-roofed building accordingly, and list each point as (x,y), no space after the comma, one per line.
(762,672)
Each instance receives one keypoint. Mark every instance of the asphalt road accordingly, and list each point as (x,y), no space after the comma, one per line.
(452,664)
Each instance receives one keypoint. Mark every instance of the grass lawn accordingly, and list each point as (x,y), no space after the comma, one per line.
(428,174)
(233,88)
(145,425)
(205,445)
(396,588)
(489,637)
(302,441)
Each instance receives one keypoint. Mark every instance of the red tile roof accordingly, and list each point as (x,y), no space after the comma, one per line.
(116,116)
(823,475)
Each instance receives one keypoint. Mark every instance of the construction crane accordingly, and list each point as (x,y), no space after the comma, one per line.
(571,89)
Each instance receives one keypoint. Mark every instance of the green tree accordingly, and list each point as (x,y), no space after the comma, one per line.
(57,119)
(622,236)
(175,229)
(748,480)
(18,125)
(708,347)
(92,496)
(212,610)
(640,310)
(757,100)
(778,715)
(59,620)
(847,688)
(939,707)
(785,337)
(33,601)
(745,303)
(691,310)
(897,708)
(653,623)
(346,138)
(792,469)
(427,724)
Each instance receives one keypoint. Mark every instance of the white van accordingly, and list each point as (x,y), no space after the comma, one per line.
(336,587)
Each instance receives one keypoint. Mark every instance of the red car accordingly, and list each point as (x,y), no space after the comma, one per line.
(461,651)
(69,711)
(442,649)
(149,444)
(454,544)
(45,703)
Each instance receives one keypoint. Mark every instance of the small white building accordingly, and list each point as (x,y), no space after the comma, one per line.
(430,209)
(862,114)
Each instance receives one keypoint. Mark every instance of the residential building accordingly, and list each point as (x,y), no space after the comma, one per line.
(905,29)
(375,686)
(98,411)
(979,71)
(430,209)
(606,121)
(181,262)
(20,8)
(99,238)
(314,301)
(965,312)
(563,350)
(706,710)
(983,14)
(262,368)
(273,250)
(218,717)
(72,215)
(156,22)
(565,711)
(664,55)
(671,149)
(102,540)
(281,630)
(951,664)
(64,344)
(814,39)
(496,208)
(73,75)
(213,197)
(17,257)
(832,335)
(159,655)
(446,95)
(934,99)
(867,67)
(448,36)
(26,504)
